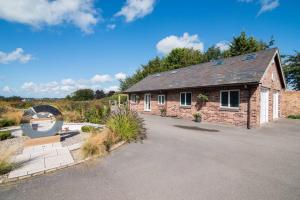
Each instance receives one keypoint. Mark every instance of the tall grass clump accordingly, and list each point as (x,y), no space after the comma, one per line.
(5,160)
(126,124)
(94,145)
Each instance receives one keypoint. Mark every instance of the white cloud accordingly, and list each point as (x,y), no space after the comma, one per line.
(67,81)
(265,5)
(37,13)
(67,86)
(7,89)
(268,5)
(98,78)
(166,45)
(112,88)
(16,55)
(110,26)
(134,9)
(29,86)
(120,76)
(223,45)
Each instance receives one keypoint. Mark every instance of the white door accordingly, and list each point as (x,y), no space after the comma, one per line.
(275,105)
(147,102)
(264,105)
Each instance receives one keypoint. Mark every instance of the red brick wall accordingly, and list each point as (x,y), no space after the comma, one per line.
(290,103)
(210,110)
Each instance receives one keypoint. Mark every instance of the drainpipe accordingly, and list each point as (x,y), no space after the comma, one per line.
(248,107)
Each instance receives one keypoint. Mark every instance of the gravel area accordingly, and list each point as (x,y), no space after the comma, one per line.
(17,143)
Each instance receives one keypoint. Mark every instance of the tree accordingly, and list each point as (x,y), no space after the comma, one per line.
(99,94)
(212,53)
(83,95)
(292,70)
(110,93)
(180,57)
(243,44)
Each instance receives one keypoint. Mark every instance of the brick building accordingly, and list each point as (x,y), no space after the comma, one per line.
(243,90)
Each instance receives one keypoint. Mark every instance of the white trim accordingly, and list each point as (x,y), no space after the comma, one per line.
(185,98)
(266,111)
(145,107)
(161,95)
(230,107)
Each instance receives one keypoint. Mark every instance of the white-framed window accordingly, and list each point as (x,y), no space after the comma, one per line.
(230,98)
(161,99)
(133,98)
(185,98)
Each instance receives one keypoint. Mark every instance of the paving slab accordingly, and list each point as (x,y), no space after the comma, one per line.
(39,158)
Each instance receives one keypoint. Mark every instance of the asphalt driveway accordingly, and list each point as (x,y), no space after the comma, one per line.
(183,160)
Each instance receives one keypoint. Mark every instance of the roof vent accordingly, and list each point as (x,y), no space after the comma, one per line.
(173,72)
(218,62)
(251,56)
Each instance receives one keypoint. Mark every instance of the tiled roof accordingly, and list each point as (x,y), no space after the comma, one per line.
(248,68)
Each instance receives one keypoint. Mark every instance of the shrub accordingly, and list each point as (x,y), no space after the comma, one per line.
(5,135)
(5,164)
(88,129)
(7,122)
(94,145)
(294,116)
(163,112)
(197,117)
(126,124)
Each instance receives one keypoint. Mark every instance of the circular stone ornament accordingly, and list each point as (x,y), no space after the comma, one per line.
(31,129)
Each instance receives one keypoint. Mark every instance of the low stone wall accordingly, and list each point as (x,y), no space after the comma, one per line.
(290,103)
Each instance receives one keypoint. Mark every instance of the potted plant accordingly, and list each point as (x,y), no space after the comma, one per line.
(202,97)
(197,117)
(163,112)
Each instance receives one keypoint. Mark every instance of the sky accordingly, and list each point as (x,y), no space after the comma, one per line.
(51,48)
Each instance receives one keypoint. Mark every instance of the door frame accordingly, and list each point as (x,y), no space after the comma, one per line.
(145,103)
(266,111)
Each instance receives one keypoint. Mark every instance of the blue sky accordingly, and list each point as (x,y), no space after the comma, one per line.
(51,48)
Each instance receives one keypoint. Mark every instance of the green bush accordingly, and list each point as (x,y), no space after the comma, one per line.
(5,135)
(126,124)
(294,116)
(7,122)
(88,129)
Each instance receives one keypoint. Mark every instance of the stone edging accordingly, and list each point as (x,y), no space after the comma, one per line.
(4,179)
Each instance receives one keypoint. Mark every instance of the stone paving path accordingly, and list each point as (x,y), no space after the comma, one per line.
(40,158)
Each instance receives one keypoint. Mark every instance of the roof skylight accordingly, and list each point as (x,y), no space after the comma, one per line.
(218,62)
(173,72)
(251,56)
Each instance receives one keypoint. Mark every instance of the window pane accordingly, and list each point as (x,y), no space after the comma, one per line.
(224,99)
(163,99)
(133,98)
(182,99)
(234,99)
(188,99)
(159,100)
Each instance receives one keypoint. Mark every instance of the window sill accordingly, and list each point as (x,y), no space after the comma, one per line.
(230,109)
(185,107)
